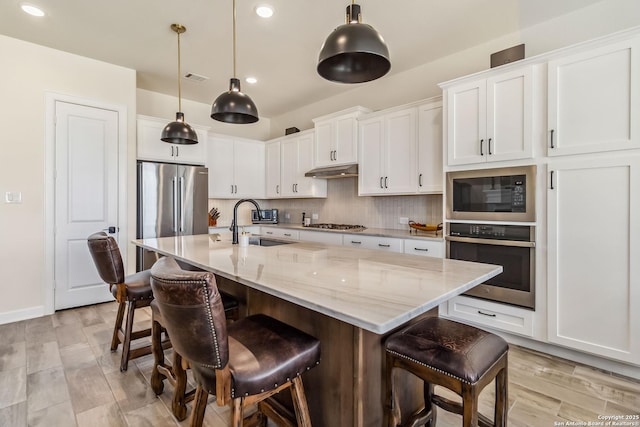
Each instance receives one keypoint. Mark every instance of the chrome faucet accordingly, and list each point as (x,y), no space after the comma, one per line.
(234,222)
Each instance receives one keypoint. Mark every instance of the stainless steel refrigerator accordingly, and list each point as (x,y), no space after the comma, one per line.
(172,201)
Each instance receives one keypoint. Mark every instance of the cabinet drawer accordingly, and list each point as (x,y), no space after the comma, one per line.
(281,232)
(497,316)
(424,248)
(373,242)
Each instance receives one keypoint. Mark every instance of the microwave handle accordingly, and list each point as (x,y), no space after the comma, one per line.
(514,243)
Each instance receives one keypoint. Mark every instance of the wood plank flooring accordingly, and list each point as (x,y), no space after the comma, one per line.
(58,370)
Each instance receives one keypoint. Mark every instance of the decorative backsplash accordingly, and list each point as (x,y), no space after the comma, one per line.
(343,206)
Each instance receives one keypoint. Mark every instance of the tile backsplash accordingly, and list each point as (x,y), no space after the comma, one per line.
(343,206)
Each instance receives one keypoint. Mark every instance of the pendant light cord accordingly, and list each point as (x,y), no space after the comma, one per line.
(179,73)
(234,39)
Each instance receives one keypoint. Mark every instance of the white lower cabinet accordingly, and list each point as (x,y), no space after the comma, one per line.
(490,314)
(593,216)
(424,247)
(280,232)
(329,238)
(388,244)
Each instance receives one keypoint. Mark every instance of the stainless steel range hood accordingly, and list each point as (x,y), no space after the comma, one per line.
(328,172)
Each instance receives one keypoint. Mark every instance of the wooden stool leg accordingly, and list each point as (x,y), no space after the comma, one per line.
(157,379)
(430,408)
(300,403)
(469,405)
(126,345)
(178,404)
(199,407)
(237,412)
(115,340)
(502,397)
(392,408)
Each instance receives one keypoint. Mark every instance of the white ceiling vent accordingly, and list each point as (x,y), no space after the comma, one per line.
(195,77)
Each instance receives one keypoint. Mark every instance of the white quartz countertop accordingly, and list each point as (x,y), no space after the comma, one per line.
(374,290)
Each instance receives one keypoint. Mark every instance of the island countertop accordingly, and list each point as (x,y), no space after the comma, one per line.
(373,290)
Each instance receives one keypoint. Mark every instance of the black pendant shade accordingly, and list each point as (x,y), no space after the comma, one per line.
(234,106)
(179,132)
(354,52)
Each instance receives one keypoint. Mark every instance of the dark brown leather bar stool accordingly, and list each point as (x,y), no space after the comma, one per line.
(176,371)
(242,363)
(132,291)
(459,357)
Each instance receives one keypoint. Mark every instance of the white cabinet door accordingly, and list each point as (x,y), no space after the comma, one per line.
(280,232)
(593,252)
(424,247)
(150,147)
(336,138)
(346,132)
(388,154)
(324,143)
(388,244)
(430,148)
(221,167)
(236,168)
(370,169)
(400,152)
(289,166)
(272,173)
(491,119)
(296,154)
(305,185)
(593,100)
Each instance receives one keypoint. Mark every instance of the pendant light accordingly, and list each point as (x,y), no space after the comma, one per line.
(354,52)
(234,106)
(179,132)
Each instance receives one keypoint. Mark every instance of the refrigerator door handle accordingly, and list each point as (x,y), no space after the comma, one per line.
(174,183)
(181,199)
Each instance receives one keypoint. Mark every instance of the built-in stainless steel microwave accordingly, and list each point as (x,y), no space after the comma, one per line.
(499,194)
(267,216)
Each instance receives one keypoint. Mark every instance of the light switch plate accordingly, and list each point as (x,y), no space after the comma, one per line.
(13,197)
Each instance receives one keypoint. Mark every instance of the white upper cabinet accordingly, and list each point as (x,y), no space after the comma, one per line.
(388,153)
(272,173)
(593,100)
(491,119)
(430,148)
(150,147)
(236,167)
(336,138)
(296,159)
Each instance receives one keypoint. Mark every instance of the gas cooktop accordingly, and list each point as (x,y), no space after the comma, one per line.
(348,227)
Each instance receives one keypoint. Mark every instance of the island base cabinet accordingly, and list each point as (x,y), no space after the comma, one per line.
(347,387)
(593,252)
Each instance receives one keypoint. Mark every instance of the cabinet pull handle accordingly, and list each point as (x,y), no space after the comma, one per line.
(489,143)
(278,189)
(486,314)
(268,232)
(231,188)
(481,144)
(386,179)
(335,155)
(552,131)
(551,188)
(177,151)
(381,186)
(287,234)
(356,243)
(236,187)
(172,151)
(384,246)
(421,249)
(420,180)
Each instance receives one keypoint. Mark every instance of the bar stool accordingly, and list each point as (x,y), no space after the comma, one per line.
(131,292)
(459,357)
(243,363)
(176,371)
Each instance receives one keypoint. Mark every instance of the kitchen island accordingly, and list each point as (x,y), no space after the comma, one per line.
(349,298)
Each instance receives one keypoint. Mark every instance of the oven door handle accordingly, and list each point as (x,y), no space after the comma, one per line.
(515,243)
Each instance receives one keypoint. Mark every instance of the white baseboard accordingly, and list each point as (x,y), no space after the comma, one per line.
(24,314)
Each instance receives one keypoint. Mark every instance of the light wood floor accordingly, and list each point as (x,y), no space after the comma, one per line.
(58,371)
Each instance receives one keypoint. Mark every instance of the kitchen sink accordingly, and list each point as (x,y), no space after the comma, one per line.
(262,241)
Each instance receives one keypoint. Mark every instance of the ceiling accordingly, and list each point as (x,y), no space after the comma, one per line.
(281,52)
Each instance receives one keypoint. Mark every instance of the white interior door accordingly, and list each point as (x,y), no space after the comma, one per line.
(86,198)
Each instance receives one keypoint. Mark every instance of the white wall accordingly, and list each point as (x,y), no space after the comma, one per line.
(28,71)
(594,21)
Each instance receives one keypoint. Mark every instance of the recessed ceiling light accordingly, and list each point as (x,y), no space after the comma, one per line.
(31,9)
(264,11)
(251,80)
